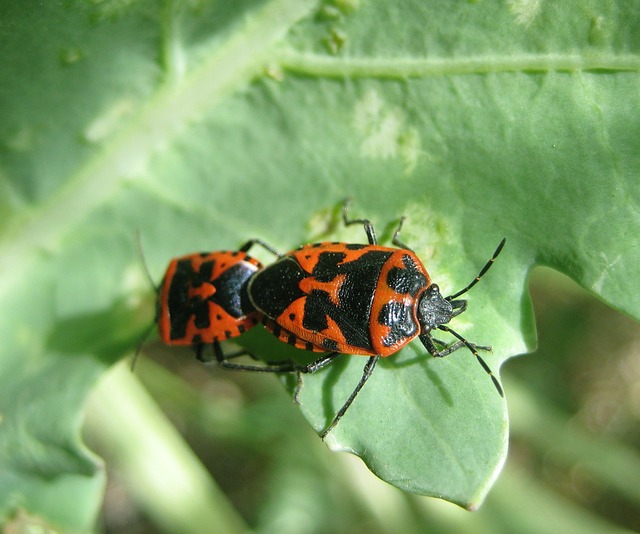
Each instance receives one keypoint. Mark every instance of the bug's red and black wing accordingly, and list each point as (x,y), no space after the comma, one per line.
(201,299)
(324,297)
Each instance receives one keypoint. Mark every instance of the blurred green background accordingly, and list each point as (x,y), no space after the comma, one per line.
(573,465)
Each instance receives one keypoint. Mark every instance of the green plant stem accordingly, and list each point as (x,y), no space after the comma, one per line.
(166,478)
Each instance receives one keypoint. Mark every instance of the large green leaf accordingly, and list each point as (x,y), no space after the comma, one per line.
(201,124)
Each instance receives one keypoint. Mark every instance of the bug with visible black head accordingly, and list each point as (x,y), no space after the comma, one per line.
(361,299)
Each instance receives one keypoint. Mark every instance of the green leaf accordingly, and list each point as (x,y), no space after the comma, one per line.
(202,124)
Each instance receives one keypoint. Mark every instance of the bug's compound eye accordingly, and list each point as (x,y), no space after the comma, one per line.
(434,309)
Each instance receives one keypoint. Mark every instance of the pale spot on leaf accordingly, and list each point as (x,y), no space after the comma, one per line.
(385,133)
(524,11)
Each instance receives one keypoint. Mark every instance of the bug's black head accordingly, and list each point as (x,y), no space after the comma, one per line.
(434,309)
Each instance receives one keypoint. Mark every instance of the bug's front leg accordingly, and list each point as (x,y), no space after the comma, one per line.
(431,344)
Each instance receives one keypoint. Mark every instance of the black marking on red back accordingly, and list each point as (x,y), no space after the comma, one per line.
(398,316)
(409,280)
(275,287)
(230,295)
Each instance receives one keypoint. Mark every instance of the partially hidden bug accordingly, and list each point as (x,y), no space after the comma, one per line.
(362,299)
(203,301)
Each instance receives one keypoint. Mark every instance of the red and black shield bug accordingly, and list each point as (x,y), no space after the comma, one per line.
(360,299)
(203,301)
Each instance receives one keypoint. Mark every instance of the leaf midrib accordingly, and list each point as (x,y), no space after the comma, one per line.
(233,65)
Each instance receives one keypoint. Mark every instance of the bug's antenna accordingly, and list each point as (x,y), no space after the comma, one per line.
(480,274)
(141,257)
(486,368)
(140,251)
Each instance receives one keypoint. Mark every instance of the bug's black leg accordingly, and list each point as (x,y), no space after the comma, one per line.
(244,352)
(368,227)
(396,241)
(251,242)
(368,369)
(199,349)
(427,341)
(314,366)
(448,349)
(286,366)
(458,306)
(320,363)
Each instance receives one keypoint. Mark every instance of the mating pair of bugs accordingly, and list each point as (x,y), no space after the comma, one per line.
(334,298)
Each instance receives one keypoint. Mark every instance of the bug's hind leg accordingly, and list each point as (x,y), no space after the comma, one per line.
(368,369)
(285,366)
(366,223)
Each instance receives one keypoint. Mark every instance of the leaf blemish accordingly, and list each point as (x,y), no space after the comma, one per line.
(69,56)
(599,283)
(597,33)
(335,40)
(384,132)
(525,11)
